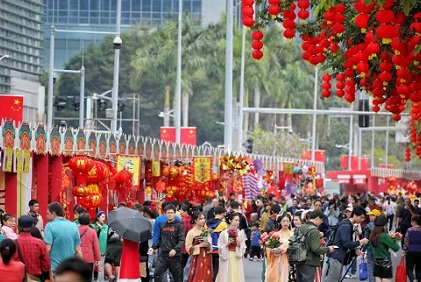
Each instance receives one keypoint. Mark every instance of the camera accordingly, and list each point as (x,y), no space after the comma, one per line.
(117,42)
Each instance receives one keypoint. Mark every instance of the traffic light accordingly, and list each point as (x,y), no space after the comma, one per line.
(76,104)
(249,145)
(121,104)
(363,120)
(102,105)
(60,103)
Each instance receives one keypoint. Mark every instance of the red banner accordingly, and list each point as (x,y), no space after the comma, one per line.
(168,134)
(365,163)
(319,155)
(11,107)
(188,135)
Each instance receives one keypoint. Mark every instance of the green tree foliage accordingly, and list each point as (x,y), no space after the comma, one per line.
(283,144)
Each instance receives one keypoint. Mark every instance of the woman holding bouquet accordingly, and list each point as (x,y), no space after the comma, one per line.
(232,246)
(199,247)
(277,269)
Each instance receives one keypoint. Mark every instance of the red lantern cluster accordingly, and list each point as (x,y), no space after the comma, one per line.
(247,12)
(289,21)
(123,180)
(383,59)
(326,85)
(257,44)
(274,8)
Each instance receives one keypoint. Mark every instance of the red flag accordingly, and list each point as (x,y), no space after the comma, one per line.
(344,161)
(11,107)
(319,155)
(188,136)
(168,134)
(306,155)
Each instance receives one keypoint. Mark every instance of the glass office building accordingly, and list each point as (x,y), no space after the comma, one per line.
(100,15)
(21,39)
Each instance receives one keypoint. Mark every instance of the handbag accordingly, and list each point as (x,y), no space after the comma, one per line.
(363,270)
(401,271)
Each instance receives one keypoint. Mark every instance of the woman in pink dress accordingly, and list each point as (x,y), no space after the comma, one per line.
(10,269)
(277,269)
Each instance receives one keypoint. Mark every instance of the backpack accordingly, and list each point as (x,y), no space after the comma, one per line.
(297,249)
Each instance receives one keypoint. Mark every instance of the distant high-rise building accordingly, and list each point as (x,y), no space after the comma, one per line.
(21,39)
(100,15)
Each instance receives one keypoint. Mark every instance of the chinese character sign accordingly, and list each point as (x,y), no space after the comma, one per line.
(132,164)
(202,169)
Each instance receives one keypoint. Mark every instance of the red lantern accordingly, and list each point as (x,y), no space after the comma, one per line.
(257,54)
(93,200)
(98,172)
(80,164)
(80,190)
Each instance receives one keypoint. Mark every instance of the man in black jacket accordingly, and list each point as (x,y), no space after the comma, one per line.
(332,270)
(170,242)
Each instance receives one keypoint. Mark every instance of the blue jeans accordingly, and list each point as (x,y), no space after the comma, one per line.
(370,268)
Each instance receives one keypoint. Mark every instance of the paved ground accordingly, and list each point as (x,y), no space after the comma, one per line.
(253,269)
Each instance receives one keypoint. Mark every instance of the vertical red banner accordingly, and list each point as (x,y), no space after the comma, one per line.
(188,136)
(344,161)
(168,134)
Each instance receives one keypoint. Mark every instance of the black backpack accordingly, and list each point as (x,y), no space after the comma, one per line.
(297,249)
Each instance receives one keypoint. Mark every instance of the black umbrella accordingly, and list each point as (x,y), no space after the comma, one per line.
(130,224)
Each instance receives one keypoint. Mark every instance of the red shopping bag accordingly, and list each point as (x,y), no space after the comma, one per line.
(401,271)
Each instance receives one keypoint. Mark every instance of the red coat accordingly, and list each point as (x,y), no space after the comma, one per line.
(89,244)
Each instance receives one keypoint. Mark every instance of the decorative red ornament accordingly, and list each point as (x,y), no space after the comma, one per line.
(257,55)
(80,190)
(80,164)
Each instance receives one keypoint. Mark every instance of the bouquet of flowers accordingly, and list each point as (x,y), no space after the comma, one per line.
(395,236)
(205,234)
(270,240)
(232,233)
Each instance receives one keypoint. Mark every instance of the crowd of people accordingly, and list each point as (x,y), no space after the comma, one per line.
(209,241)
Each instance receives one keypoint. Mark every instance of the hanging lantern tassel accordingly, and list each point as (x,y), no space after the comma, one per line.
(129,269)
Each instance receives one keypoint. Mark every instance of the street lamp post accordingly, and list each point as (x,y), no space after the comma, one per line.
(117,45)
(228,75)
(313,126)
(4,57)
(51,80)
(177,110)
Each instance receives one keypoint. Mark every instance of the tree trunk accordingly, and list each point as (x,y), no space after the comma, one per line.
(167,107)
(289,117)
(256,105)
(185,110)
